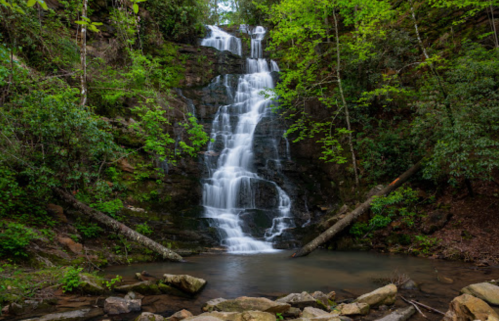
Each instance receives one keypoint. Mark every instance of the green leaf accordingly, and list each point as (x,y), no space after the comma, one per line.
(135,8)
(97,23)
(42,4)
(81,22)
(31,3)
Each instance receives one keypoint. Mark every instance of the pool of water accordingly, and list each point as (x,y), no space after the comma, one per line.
(348,273)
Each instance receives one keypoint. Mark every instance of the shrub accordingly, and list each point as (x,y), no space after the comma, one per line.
(71,279)
(144,229)
(14,238)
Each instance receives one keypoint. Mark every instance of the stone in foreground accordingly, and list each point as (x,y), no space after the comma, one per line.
(77,315)
(485,291)
(310,313)
(180,315)
(210,305)
(298,300)
(382,296)
(245,303)
(148,316)
(184,282)
(468,308)
(115,305)
(401,314)
(353,308)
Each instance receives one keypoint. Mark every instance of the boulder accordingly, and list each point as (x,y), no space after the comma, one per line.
(322,300)
(186,283)
(226,316)
(76,315)
(385,295)
(245,303)
(292,313)
(468,308)
(180,315)
(331,296)
(90,284)
(401,314)
(310,313)
(298,300)
(485,291)
(210,305)
(148,316)
(353,308)
(115,305)
(145,288)
(166,289)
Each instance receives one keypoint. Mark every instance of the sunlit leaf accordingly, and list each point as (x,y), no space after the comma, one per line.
(135,8)
(31,3)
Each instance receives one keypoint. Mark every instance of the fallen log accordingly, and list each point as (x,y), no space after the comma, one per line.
(121,228)
(353,215)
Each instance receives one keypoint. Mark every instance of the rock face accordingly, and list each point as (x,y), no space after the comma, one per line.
(353,308)
(485,291)
(245,303)
(382,296)
(468,308)
(298,300)
(186,283)
(148,316)
(399,314)
(114,305)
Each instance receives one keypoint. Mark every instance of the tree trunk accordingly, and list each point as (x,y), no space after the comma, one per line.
(493,22)
(83,56)
(118,227)
(345,105)
(352,216)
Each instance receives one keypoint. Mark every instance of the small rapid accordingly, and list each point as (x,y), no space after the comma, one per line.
(230,190)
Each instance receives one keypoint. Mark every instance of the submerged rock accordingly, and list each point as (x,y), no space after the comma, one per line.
(148,316)
(353,308)
(401,314)
(245,303)
(116,305)
(485,291)
(186,283)
(468,308)
(385,295)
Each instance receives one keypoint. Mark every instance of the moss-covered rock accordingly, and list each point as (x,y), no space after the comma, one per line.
(91,284)
(145,288)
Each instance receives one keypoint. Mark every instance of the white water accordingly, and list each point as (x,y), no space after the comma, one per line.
(230,188)
(221,40)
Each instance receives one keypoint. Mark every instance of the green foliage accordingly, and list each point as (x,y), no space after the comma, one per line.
(14,238)
(111,283)
(109,207)
(426,243)
(71,279)
(88,230)
(144,229)
(399,204)
(92,26)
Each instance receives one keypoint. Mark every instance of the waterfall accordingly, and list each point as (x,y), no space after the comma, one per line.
(231,189)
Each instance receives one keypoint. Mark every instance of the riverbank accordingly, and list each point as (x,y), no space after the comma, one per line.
(349,274)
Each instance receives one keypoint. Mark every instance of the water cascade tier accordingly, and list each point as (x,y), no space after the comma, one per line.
(233,190)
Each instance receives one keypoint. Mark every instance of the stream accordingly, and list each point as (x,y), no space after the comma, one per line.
(348,273)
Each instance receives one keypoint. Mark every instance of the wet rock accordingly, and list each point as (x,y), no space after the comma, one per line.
(77,315)
(166,289)
(292,313)
(180,315)
(186,283)
(115,305)
(409,285)
(90,284)
(145,288)
(353,308)
(258,316)
(148,316)
(298,300)
(226,316)
(319,315)
(485,291)
(467,307)
(399,314)
(245,303)
(382,296)
(322,299)
(210,305)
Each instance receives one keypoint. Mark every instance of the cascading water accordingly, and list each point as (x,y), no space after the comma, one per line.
(231,188)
